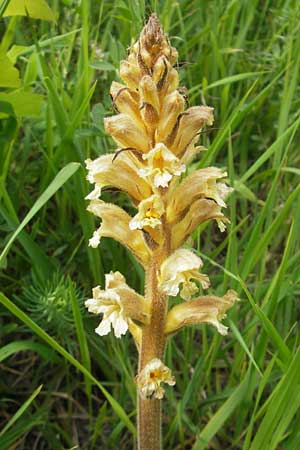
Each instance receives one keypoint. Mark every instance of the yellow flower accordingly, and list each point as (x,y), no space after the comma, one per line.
(199,184)
(102,172)
(118,303)
(177,271)
(150,211)
(187,126)
(208,309)
(200,211)
(149,380)
(115,224)
(162,166)
(127,132)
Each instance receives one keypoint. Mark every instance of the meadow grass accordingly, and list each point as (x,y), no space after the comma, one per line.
(61,385)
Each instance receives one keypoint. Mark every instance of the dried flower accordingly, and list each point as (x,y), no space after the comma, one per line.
(149,380)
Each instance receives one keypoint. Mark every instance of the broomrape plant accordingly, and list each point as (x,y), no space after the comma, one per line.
(157,138)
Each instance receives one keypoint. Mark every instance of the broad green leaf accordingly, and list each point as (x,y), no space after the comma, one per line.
(9,75)
(36,9)
(15,51)
(24,103)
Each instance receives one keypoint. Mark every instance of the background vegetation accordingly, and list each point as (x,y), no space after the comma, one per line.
(61,385)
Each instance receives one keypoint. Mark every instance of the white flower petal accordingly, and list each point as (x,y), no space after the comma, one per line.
(104,327)
(95,239)
(96,193)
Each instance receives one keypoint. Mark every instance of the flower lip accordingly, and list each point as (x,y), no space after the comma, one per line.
(108,303)
(162,166)
(149,214)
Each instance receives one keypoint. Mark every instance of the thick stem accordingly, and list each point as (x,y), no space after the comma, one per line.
(153,346)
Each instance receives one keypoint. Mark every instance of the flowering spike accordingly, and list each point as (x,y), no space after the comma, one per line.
(157,134)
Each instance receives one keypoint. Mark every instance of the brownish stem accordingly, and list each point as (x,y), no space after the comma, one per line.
(152,346)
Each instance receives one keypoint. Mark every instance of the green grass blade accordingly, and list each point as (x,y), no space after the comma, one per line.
(60,179)
(58,348)
(223,413)
(20,411)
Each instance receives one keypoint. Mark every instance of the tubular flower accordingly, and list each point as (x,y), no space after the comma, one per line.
(115,224)
(178,270)
(118,304)
(149,380)
(199,184)
(209,309)
(157,136)
(150,211)
(102,173)
(162,166)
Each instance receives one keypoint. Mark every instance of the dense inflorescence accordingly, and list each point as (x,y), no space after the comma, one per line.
(156,134)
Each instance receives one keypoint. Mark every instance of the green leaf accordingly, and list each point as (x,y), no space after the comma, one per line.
(36,9)
(24,103)
(15,51)
(19,346)
(9,75)
(102,65)
(53,187)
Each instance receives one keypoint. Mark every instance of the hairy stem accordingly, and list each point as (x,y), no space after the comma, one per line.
(153,346)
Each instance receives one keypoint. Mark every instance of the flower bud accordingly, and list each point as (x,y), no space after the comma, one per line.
(102,171)
(148,92)
(187,126)
(173,105)
(126,132)
(126,101)
(199,184)
(130,74)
